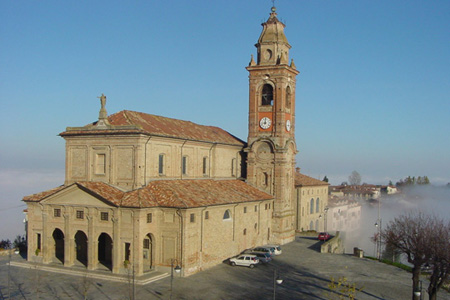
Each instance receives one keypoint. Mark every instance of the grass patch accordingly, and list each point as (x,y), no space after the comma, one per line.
(392,263)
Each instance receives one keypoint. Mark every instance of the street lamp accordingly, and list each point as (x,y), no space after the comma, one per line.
(177,270)
(418,290)
(276,280)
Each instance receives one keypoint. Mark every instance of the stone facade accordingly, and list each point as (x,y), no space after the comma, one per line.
(312,203)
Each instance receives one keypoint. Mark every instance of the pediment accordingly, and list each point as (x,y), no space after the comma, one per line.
(74,196)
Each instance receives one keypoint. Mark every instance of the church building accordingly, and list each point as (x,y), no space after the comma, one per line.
(148,192)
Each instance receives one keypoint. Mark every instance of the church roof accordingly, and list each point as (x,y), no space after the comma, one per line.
(303,180)
(127,122)
(168,193)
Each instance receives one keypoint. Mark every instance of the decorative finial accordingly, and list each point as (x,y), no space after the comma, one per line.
(273,6)
(252,61)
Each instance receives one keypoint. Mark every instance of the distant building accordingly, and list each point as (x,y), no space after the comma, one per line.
(389,190)
(356,192)
(343,215)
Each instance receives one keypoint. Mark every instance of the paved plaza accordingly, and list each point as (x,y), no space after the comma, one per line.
(306,274)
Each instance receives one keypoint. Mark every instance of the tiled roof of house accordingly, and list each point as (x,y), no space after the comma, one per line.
(169,193)
(137,122)
(303,180)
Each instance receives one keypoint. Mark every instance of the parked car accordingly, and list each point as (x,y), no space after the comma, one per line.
(323,236)
(246,260)
(264,250)
(263,257)
(277,249)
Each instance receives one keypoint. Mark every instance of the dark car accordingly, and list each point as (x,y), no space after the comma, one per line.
(263,257)
(323,236)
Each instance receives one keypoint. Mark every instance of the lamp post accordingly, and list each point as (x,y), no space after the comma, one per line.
(177,270)
(378,226)
(418,291)
(276,280)
(325,220)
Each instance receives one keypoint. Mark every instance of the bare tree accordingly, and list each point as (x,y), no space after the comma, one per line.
(420,237)
(354,178)
(439,257)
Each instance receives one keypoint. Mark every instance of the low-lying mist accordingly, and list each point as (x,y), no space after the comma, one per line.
(428,199)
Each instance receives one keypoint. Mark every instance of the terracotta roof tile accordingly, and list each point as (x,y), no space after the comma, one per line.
(303,180)
(170,193)
(138,122)
(42,195)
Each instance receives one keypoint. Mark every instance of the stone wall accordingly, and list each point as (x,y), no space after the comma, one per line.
(333,245)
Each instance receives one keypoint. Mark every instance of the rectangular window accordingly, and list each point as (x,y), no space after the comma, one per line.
(80,214)
(245,209)
(206,215)
(149,218)
(104,216)
(57,212)
(38,241)
(146,244)
(192,218)
(256,208)
(161,164)
(100,163)
(184,165)
(205,163)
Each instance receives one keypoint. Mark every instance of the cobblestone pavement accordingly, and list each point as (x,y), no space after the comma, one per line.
(305,272)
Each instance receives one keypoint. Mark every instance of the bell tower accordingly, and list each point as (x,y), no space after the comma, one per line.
(271,126)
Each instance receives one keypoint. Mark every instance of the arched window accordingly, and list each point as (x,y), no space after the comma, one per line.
(267,95)
(227,215)
(317,205)
(311,206)
(288,97)
(265,179)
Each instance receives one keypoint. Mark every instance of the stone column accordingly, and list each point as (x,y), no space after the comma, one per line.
(92,242)
(68,242)
(116,257)
(136,245)
(46,240)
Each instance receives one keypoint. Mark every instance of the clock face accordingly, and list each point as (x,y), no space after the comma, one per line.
(288,125)
(265,123)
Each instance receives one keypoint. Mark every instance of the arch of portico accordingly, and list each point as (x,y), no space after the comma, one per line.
(105,250)
(148,253)
(58,250)
(81,247)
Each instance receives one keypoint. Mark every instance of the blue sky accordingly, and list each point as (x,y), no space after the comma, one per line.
(372,95)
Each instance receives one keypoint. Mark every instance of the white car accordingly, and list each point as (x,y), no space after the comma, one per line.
(246,260)
(277,249)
